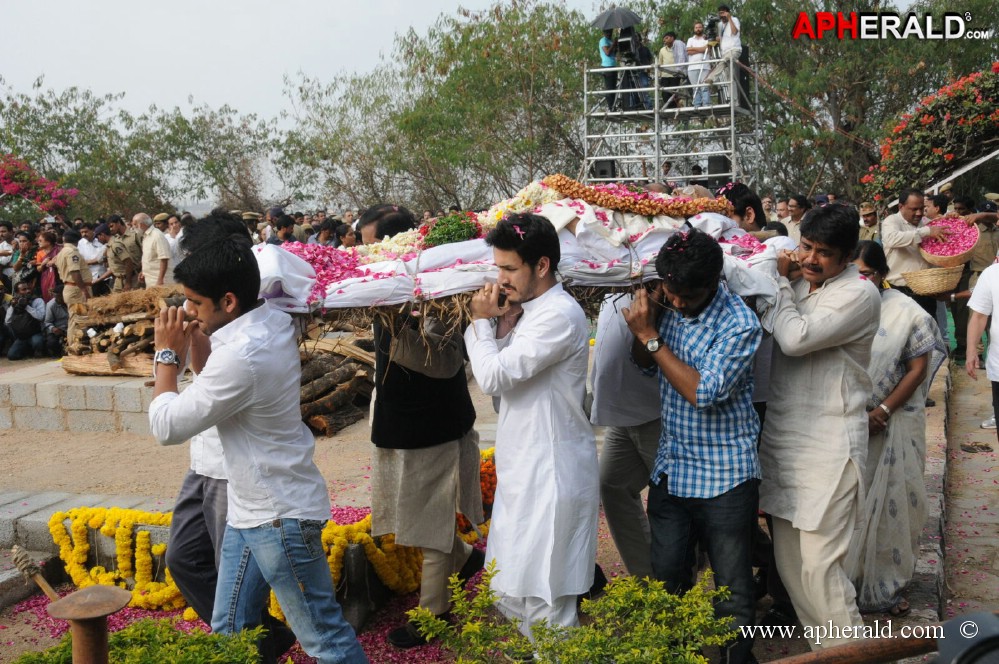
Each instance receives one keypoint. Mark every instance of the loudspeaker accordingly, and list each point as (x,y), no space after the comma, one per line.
(718,163)
(604,169)
(742,76)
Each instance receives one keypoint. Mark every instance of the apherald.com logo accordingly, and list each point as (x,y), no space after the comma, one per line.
(885,25)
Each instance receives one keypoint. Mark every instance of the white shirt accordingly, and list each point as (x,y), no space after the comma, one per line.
(623,395)
(901,242)
(984,300)
(695,58)
(249,389)
(154,248)
(816,424)
(93,251)
(730,42)
(5,260)
(544,524)
(175,254)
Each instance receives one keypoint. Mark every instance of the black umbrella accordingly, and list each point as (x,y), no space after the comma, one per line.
(616,17)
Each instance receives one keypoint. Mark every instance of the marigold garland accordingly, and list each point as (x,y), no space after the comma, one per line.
(137,559)
(636,202)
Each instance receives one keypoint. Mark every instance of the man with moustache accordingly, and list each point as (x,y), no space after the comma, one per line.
(901,234)
(545,450)
(815,436)
(697,47)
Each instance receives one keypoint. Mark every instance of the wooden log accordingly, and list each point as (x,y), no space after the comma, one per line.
(97,365)
(123,343)
(327,425)
(102,344)
(323,384)
(115,359)
(321,364)
(335,400)
(343,346)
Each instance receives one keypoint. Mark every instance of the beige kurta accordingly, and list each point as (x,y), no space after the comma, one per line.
(901,242)
(816,425)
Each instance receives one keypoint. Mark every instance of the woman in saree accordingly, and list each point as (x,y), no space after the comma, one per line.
(48,249)
(905,355)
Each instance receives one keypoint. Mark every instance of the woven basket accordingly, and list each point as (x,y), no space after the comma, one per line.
(933,281)
(950,261)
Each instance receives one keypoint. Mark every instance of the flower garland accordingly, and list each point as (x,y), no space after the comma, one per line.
(134,553)
(637,201)
(402,246)
(137,560)
(947,128)
(527,199)
(331,264)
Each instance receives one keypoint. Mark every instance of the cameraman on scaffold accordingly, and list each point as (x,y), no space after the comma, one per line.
(731,48)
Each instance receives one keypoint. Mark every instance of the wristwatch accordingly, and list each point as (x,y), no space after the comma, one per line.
(654,344)
(166,356)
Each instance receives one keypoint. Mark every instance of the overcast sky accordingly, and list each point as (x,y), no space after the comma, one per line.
(217,51)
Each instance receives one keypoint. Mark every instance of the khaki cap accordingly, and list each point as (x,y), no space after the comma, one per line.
(866,208)
(251,216)
(946,187)
(992,197)
(162,216)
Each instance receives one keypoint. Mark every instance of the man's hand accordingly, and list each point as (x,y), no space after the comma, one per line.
(641,317)
(171,331)
(940,232)
(485,303)
(971,365)
(787,262)
(59,332)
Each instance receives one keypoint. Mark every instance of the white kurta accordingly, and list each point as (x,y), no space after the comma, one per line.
(816,424)
(543,534)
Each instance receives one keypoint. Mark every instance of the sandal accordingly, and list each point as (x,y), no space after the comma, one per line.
(975,447)
(900,609)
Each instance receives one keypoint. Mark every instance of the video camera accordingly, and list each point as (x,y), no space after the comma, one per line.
(627,46)
(711,27)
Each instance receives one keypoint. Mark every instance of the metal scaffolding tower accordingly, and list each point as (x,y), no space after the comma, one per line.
(653,125)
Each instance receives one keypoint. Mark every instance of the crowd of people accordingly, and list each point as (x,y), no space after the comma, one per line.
(688,70)
(811,411)
(51,264)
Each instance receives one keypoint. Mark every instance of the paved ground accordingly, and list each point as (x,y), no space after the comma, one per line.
(109,464)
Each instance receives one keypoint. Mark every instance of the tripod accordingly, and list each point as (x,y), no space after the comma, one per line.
(626,81)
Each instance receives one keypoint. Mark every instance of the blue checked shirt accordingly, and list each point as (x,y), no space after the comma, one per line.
(708,450)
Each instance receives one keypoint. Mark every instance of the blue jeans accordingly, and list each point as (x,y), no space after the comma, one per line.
(25,348)
(287,555)
(702,93)
(724,527)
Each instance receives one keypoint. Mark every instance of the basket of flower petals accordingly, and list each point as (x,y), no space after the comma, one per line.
(934,281)
(953,250)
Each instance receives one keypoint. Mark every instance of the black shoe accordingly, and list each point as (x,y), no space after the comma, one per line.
(779,615)
(760,584)
(407,636)
(599,583)
(476,561)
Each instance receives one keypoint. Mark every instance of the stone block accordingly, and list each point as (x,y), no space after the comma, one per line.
(146,397)
(12,512)
(32,530)
(6,418)
(99,397)
(73,397)
(39,419)
(47,394)
(90,421)
(128,397)
(22,394)
(8,497)
(4,393)
(134,423)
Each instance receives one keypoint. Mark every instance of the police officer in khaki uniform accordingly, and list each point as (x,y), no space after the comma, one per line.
(252,219)
(124,255)
(73,269)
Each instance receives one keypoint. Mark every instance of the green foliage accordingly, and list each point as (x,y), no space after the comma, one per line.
(158,641)
(958,123)
(636,621)
(455,227)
